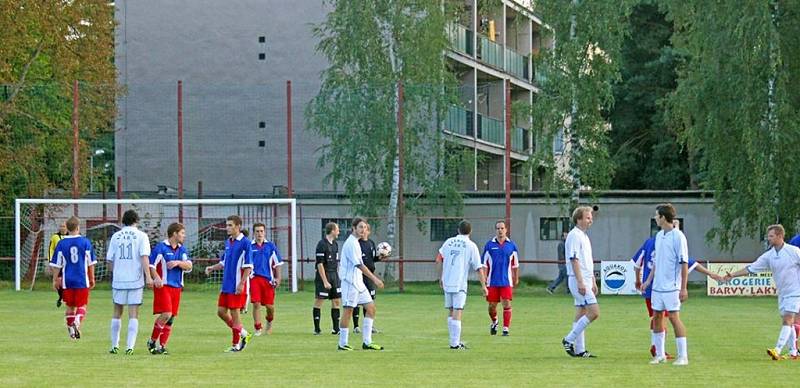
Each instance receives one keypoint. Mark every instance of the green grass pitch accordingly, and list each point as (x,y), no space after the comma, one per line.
(727,341)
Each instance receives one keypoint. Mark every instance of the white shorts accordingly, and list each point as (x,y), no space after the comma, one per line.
(665,301)
(127,297)
(455,300)
(581,300)
(352,297)
(789,304)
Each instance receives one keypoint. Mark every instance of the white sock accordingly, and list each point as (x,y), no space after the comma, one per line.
(783,337)
(653,340)
(659,339)
(343,332)
(116,325)
(366,333)
(682,351)
(580,343)
(133,331)
(792,343)
(578,327)
(456,333)
(450,330)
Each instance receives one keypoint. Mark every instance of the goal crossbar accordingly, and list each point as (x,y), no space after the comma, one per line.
(210,201)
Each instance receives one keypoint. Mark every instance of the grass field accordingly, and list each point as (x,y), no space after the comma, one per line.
(727,341)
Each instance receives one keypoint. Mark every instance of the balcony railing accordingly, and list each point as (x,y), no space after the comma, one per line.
(491,130)
(519,140)
(460,38)
(490,52)
(517,64)
(459,120)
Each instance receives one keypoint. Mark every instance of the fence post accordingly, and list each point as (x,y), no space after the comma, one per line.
(400,202)
(75,146)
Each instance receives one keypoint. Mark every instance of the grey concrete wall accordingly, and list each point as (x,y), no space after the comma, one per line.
(213,47)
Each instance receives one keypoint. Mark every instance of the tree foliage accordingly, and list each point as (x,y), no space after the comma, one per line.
(46,45)
(737,107)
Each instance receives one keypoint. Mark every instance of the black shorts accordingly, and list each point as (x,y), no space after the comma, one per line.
(335,292)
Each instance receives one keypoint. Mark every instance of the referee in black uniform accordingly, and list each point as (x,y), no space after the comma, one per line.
(327,277)
(369,255)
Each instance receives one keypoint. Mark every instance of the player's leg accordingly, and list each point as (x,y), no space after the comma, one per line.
(257,285)
(134,301)
(459,300)
(257,323)
(370,310)
(162,308)
(175,301)
(269,303)
(344,327)
(785,334)
(356,316)
(493,298)
(506,315)
(680,337)
(658,336)
(316,313)
(336,305)
(81,301)
(116,325)
(69,317)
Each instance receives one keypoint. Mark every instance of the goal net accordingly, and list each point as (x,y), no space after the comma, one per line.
(37,220)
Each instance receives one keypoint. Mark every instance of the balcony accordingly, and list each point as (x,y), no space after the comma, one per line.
(491,130)
(519,140)
(460,38)
(490,52)
(459,121)
(517,64)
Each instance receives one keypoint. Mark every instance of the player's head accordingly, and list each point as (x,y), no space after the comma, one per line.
(130,217)
(260,232)
(464,228)
(367,231)
(665,214)
(358,225)
(176,233)
(332,230)
(73,225)
(775,234)
(62,227)
(582,217)
(500,229)
(233,225)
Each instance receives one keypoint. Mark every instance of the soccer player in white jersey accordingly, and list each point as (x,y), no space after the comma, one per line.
(669,277)
(456,257)
(784,262)
(128,257)
(582,283)
(354,291)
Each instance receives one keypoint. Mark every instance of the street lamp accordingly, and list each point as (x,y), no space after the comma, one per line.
(96,152)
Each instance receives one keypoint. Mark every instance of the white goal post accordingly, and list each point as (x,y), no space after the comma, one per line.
(292,244)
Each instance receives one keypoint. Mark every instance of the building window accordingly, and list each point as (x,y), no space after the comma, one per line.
(262,39)
(344,227)
(558,142)
(262,56)
(443,228)
(550,228)
(262,143)
(654,227)
(262,124)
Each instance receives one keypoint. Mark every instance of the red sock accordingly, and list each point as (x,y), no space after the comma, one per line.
(258,325)
(229,322)
(70,318)
(80,313)
(270,317)
(165,332)
(157,329)
(507,317)
(236,330)
(493,315)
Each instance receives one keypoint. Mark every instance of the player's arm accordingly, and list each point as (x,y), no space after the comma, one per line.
(321,254)
(482,277)
(576,269)
(276,262)
(91,276)
(638,261)
(375,280)
(684,293)
(245,275)
(703,270)
(215,267)
(439,268)
(515,268)
(649,279)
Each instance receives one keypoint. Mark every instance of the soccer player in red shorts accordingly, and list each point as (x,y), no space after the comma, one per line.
(74,258)
(237,263)
(265,278)
(168,262)
(501,259)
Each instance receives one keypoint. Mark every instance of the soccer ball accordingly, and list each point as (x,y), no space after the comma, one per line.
(384,249)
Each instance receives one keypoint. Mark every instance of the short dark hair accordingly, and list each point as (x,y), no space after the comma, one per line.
(464,227)
(329,227)
(236,220)
(130,217)
(257,224)
(357,221)
(173,228)
(667,211)
(73,223)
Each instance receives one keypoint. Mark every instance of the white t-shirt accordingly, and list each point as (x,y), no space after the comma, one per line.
(671,253)
(578,247)
(125,251)
(785,267)
(349,261)
(459,254)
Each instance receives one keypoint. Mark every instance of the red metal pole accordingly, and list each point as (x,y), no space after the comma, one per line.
(75,146)
(508,157)
(180,149)
(400,93)
(119,196)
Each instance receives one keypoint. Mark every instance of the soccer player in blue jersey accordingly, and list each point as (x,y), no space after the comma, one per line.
(643,265)
(168,262)
(74,257)
(265,278)
(501,259)
(236,263)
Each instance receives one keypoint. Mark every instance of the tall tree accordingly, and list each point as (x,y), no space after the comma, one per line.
(46,46)
(373,46)
(738,107)
(576,91)
(644,149)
